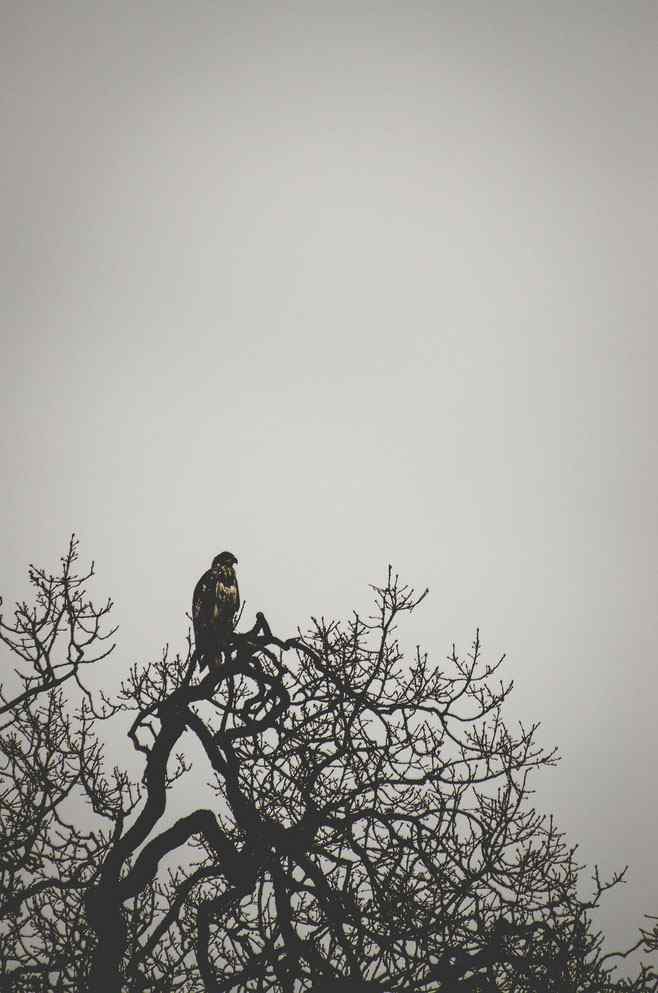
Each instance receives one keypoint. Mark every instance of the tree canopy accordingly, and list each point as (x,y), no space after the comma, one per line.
(368,824)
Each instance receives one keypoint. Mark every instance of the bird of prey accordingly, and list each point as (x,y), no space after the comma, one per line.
(215,602)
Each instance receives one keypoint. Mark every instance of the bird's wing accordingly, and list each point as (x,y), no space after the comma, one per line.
(203,598)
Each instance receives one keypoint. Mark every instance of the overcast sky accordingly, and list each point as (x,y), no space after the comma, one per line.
(334,285)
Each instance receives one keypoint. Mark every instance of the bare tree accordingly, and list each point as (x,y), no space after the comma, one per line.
(368,826)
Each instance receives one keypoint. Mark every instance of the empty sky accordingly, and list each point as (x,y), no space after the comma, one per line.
(334,285)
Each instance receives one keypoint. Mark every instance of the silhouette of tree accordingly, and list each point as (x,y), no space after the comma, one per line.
(368,825)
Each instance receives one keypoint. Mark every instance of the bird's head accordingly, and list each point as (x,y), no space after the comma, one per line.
(224,558)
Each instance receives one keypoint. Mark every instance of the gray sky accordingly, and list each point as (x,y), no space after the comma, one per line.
(333,285)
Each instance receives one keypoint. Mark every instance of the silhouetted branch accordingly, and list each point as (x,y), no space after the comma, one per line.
(367,828)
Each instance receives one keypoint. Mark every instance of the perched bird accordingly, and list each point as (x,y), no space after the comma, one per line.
(215,602)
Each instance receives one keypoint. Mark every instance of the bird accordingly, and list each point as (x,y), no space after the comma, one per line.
(215,602)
